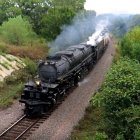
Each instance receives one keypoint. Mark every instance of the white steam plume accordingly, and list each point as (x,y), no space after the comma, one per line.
(81,28)
(100,28)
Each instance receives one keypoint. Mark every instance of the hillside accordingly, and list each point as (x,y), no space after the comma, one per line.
(9,64)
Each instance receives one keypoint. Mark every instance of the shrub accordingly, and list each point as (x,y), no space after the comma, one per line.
(2,84)
(119,99)
(16,77)
(34,53)
(17,31)
(12,93)
(3,48)
(12,87)
(31,66)
(100,136)
(130,44)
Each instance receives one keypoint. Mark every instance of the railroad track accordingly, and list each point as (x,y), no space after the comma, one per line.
(21,129)
(24,127)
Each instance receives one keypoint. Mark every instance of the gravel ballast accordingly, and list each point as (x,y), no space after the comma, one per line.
(10,115)
(60,124)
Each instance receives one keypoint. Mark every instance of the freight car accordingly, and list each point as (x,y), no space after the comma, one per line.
(60,72)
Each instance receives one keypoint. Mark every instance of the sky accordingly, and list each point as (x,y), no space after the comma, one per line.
(114,6)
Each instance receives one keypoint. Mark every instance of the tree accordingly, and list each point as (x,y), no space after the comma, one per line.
(134,21)
(130,44)
(34,10)
(77,5)
(119,98)
(39,12)
(8,9)
(52,21)
(59,14)
(16,31)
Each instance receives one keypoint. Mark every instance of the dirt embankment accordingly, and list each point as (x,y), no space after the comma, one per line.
(8,64)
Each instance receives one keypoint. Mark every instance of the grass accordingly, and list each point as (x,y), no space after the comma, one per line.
(34,53)
(89,125)
(8,58)
(8,95)
(3,47)
(5,65)
(12,87)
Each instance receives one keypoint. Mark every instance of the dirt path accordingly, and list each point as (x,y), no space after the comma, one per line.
(60,124)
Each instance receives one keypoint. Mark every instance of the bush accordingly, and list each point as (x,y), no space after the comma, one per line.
(31,66)
(12,93)
(59,15)
(16,77)
(34,53)
(119,99)
(130,44)
(3,48)
(12,87)
(17,31)
(100,136)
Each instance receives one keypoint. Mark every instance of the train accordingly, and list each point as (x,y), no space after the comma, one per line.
(60,72)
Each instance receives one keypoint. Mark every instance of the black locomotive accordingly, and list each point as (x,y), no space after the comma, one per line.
(58,73)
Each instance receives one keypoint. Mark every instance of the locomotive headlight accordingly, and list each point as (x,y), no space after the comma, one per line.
(37,82)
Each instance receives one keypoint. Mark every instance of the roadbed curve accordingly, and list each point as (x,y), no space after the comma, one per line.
(61,122)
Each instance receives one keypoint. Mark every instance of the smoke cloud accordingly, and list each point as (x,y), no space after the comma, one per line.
(83,25)
(87,27)
(101,27)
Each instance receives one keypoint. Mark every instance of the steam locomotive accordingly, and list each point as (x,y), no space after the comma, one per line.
(60,72)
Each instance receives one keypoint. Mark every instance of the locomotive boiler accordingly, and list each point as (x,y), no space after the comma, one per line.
(58,73)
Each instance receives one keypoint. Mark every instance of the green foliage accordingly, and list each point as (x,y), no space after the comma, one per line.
(17,76)
(77,5)
(33,10)
(97,136)
(31,66)
(12,93)
(100,136)
(8,9)
(44,16)
(5,65)
(52,21)
(3,48)
(89,128)
(130,45)
(119,98)
(137,132)
(17,31)
(134,21)
(12,87)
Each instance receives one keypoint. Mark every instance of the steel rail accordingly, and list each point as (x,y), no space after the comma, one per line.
(12,126)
